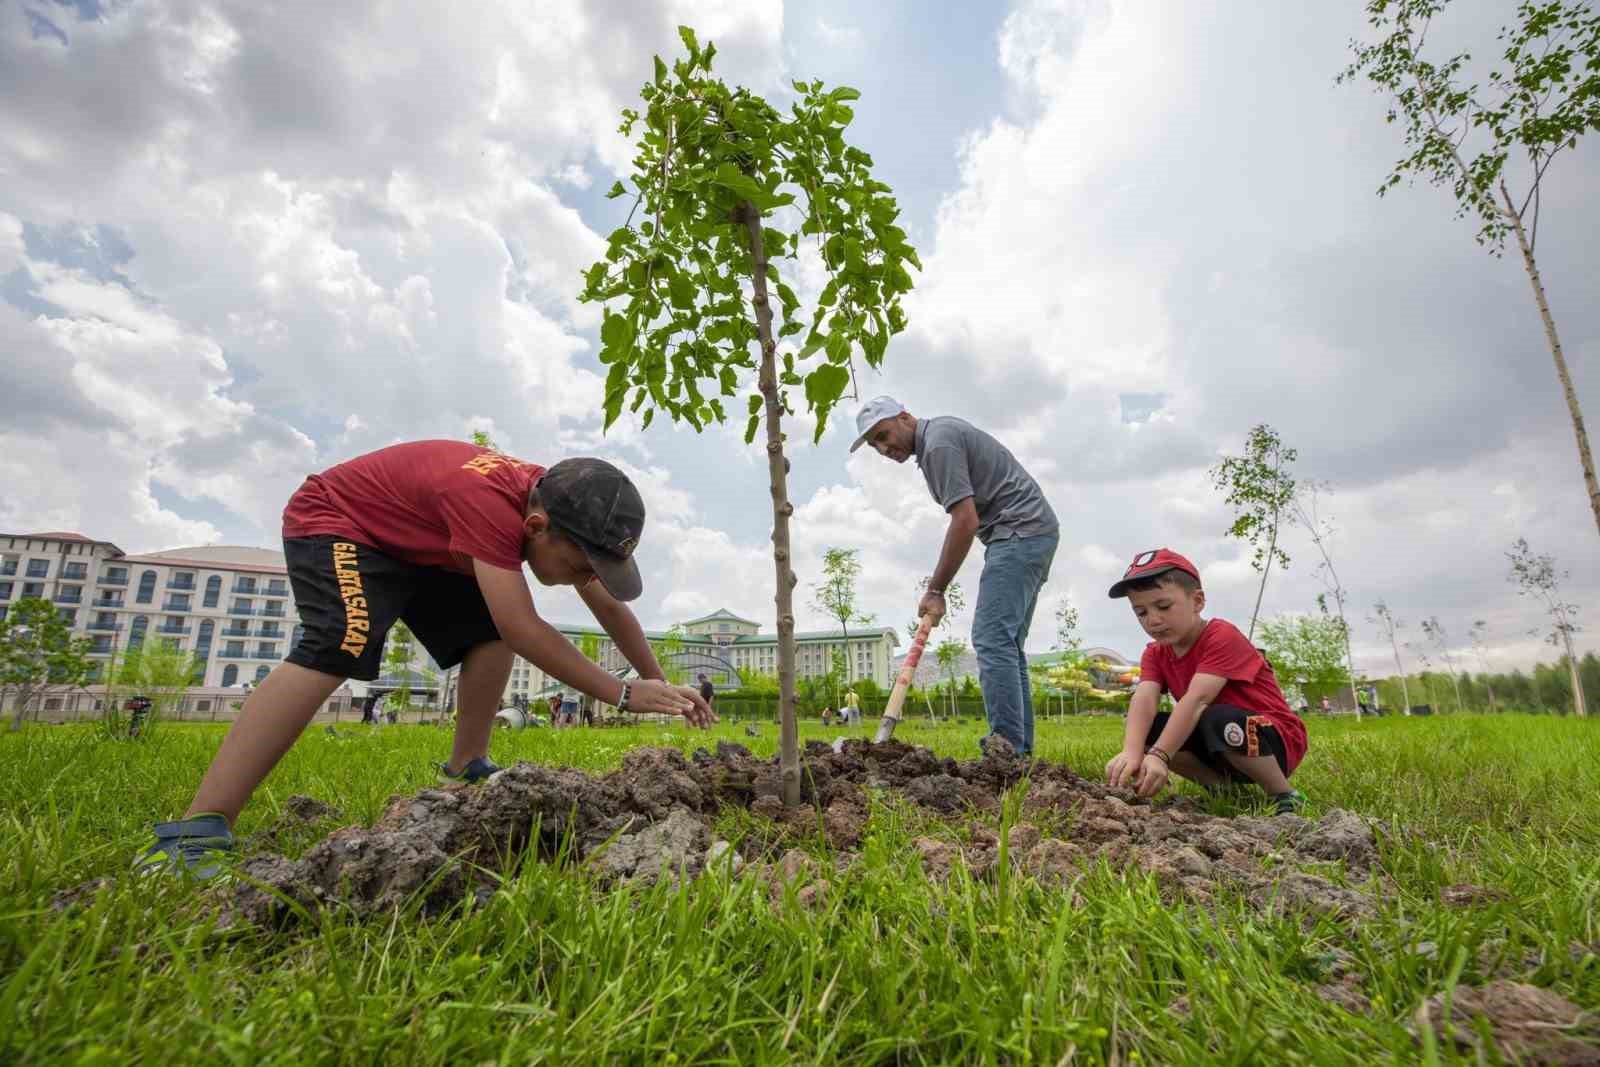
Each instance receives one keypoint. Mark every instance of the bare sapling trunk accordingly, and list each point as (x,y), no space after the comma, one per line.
(1585,457)
(777,469)
(1405,690)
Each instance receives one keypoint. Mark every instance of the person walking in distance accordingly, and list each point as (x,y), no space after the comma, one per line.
(989,496)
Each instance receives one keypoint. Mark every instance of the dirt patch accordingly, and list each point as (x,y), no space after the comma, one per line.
(1528,1024)
(655,814)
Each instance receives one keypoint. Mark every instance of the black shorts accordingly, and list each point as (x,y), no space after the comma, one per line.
(349,594)
(1224,728)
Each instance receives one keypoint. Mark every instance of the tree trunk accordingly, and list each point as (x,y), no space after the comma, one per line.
(1350,665)
(1585,458)
(778,474)
(1578,703)
(1272,544)
(1405,690)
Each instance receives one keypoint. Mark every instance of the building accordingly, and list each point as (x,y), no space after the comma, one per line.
(233,609)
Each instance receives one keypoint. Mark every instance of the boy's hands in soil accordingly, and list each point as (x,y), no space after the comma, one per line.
(661,698)
(1123,769)
(1146,774)
(1153,774)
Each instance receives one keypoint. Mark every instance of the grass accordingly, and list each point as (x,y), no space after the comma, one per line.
(890,969)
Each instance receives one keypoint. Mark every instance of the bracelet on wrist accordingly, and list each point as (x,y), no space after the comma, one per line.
(1156,750)
(622,701)
(936,592)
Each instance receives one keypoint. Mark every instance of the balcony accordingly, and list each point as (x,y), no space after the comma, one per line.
(176,605)
(181,585)
(102,626)
(265,653)
(169,628)
(271,633)
(245,586)
(236,630)
(74,597)
(237,610)
(112,579)
(99,649)
(38,572)
(74,573)
(8,567)
(233,652)
(107,602)
(273,611)
(275,590)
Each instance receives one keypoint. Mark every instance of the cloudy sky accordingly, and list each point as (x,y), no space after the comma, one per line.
(240,242)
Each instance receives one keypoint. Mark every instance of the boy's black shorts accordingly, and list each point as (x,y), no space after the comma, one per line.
(349,594)
(1225,728)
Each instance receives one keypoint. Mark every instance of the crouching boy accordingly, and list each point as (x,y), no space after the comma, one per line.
(435,533)
(1230,722)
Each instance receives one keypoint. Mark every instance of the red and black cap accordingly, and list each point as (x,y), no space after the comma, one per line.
(596,505)
(1150,563)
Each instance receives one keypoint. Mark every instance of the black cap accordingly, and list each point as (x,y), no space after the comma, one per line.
(596,505)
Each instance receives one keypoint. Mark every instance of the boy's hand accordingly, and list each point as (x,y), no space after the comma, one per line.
(1123,769)
(661,698)
(1153,774)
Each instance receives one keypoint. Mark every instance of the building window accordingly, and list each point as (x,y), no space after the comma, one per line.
(33,589)
(241,607)
(75,572)
(115,576)
(262,672)
(136,632)
(176,602)
(213,590)
(68,615)
(230,675)
(5,590)
(38,568)
(181,580)
(8,565)
(202,705)
(266,651)
(147,588)
(233,649)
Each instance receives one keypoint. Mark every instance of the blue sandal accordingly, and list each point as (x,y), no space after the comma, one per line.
(193,847)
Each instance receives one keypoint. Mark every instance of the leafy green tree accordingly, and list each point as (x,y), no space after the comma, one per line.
(725,186)
(482,439)
(37,649)
(668,650)
(1307,650)
(1260,489)
(1540,95)
(398,656)
(1538,579)
(1390,626)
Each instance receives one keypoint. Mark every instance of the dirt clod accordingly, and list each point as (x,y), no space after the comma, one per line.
(1528,1024)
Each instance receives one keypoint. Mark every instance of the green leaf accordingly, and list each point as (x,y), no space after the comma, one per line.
(824,387)
(755,403)
(689,42)
(813,342)
(750,428)
(682,290)
(838,347)
(616,331)
(661,71)
(649,413)
(615,191)
(844,92)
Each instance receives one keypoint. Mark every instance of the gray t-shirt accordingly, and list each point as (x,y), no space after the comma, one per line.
(959,460)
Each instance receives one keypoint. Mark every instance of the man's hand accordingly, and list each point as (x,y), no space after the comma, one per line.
(931,604)
(1153,774)
(1123,769)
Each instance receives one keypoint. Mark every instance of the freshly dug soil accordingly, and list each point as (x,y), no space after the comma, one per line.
(1529,1025)
(653,817)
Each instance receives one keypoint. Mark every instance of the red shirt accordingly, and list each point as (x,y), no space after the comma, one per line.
(1225,652)
(434,503)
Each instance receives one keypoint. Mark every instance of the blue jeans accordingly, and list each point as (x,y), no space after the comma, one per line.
(1014,570)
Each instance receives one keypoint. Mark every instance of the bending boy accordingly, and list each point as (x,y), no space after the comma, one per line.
(1230,721)
(435,533)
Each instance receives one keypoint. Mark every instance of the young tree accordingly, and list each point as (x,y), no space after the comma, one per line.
(37,649)
(1479,632)
(1067,639)
(948,653)
(482,439)
(1435,632)
(1308,650)
(668,652)
(835,595)
(1536,577)
(1541,95)
(157,670)
(1260,490)
(717,168)
(398,657)
(1306,511)
(1389,625)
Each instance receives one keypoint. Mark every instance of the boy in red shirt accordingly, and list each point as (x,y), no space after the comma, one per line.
(1230,722)
(435,533)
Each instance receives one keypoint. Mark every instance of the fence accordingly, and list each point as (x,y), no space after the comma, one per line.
(60,704)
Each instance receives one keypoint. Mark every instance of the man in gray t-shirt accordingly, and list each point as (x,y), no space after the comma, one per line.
(988,495)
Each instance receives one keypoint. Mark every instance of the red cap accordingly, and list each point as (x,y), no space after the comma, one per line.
(1149,564)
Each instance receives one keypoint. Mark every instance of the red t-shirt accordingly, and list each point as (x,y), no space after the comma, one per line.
(1225,652)
(434,503)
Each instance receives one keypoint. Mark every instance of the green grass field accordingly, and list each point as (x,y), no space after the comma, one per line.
(891,969)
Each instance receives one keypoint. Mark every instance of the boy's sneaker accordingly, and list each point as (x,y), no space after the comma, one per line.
(1289,803)
(193,847)
(477,770)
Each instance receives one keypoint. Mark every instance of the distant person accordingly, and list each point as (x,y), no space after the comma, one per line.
(827,716)
(1327,706)
(1230,721)
(555,709)
(708,692)
(435,534)
(852,706)
(369,709)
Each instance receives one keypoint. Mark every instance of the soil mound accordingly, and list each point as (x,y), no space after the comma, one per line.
(654,817)
(1529,1025)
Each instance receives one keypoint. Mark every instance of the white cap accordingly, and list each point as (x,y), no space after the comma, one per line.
(873,412)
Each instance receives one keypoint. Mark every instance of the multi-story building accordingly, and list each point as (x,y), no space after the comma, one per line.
(232,607)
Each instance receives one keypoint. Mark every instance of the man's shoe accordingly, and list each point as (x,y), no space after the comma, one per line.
(194,848)
(477,770)
(1289,803)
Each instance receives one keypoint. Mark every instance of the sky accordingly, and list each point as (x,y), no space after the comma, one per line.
(239,244)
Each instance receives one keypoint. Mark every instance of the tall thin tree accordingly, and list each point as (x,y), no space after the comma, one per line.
(1390,625)
(1480,137)
(1537,578)
(1306,507)
(1260,489)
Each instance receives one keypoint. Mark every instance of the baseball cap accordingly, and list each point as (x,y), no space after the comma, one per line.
(873,412)
(596,505)
(1151,563)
